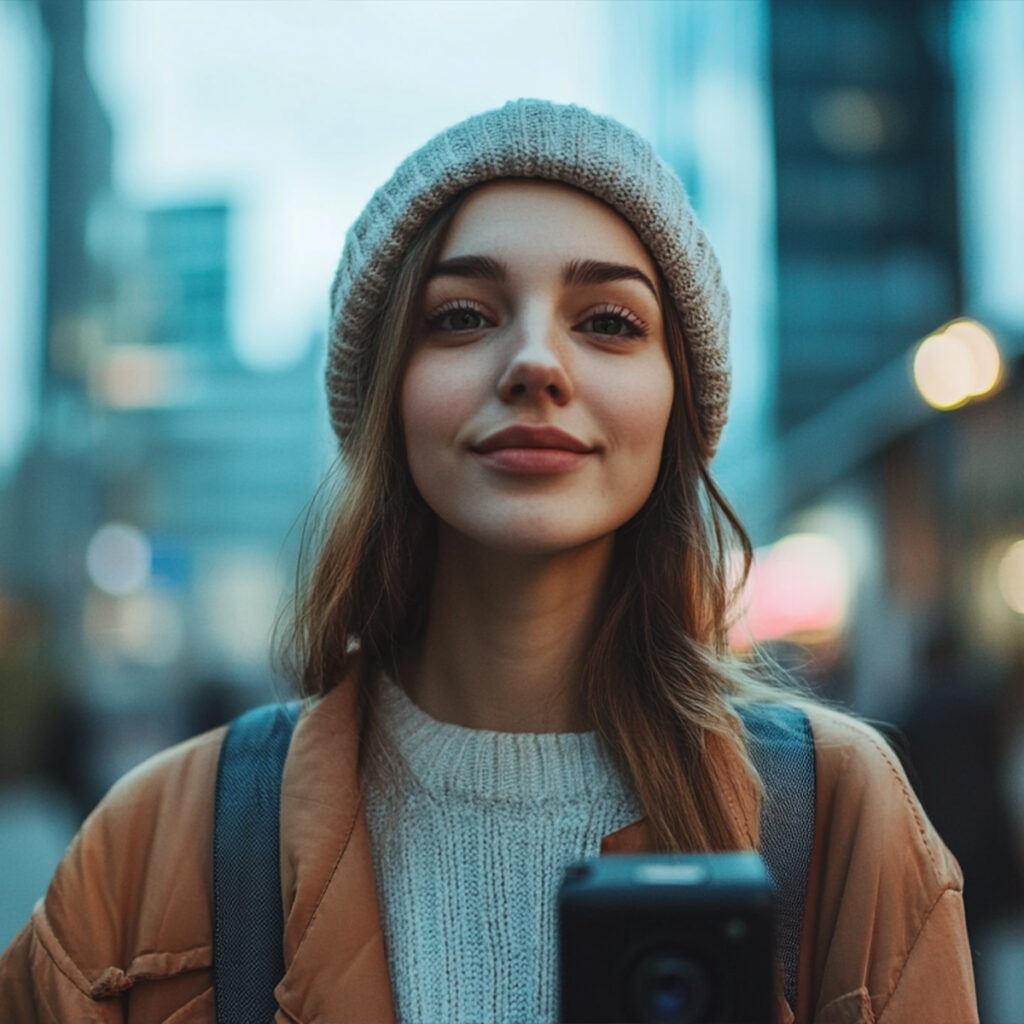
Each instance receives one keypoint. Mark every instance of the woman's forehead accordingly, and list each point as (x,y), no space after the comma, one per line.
(517,219)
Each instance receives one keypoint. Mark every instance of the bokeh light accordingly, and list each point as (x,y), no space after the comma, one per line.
(987,362)
(145,627)
(849,122)
(118,559)
(239,595)
(133,376)
(956,364)
(799,588)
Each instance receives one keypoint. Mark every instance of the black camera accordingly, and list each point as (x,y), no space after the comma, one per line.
(667,938)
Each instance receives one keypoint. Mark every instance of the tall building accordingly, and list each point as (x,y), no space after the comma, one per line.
(54,163)
(48,509)
(24,88)
(80,147)
(866,173)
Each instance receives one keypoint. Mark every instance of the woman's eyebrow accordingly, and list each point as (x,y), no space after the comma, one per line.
(599,272)
(482,267)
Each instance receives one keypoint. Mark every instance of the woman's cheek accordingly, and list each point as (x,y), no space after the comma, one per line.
(638,417)
(434,403)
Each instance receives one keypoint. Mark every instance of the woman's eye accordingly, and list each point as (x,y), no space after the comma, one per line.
(614,324)
(459,318)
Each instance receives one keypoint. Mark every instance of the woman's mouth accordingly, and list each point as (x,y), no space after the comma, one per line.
(532,450)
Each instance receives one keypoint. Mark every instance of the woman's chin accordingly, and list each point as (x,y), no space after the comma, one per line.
(535,540)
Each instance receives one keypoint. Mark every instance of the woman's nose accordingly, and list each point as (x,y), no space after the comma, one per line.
(536,367)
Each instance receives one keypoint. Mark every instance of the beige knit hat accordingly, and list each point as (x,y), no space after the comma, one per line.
(530,138)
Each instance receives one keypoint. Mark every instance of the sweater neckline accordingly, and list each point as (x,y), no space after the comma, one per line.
(524,768)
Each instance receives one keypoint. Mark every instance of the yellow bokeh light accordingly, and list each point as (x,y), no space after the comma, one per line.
(988,365)
(956,364)
(1011,576)
(944,371)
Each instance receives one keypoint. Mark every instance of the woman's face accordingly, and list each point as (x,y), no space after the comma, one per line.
(539,388)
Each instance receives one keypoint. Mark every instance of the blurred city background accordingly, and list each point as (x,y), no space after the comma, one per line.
(176,177)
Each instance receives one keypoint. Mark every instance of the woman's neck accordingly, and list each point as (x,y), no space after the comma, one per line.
(506,635)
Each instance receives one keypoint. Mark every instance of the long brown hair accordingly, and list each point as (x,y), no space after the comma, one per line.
(659,683)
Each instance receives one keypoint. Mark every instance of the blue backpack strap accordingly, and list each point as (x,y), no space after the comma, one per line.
(248,921)
(781,746)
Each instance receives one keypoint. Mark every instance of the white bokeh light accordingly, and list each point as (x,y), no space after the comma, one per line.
(118,559)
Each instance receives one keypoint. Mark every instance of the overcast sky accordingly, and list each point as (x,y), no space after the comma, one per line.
(296,110)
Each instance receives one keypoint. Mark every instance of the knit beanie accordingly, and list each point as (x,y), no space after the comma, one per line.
(531,138)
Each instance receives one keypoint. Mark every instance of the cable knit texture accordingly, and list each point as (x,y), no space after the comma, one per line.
(531,138)
(469,861)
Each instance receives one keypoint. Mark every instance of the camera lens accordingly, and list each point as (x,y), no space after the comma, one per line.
(669,988)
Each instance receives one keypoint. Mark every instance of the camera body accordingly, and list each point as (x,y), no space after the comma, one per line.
(667,938)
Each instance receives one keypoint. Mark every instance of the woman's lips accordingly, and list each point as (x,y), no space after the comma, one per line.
(536,461)
(532,450)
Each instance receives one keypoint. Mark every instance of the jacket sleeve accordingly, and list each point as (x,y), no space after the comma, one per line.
(885,939)
(37,987)
(936,983)
(123,933)
(16,999)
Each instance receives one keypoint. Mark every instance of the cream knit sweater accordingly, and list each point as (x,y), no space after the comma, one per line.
(469,859)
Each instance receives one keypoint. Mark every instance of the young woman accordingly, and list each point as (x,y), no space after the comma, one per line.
(513,641)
